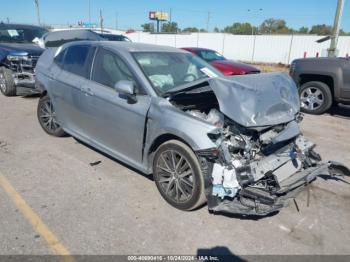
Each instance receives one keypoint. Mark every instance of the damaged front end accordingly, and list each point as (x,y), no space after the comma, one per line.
(22,66)
(261,159)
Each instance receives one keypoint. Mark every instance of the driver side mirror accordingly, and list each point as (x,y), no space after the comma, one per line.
(126,89)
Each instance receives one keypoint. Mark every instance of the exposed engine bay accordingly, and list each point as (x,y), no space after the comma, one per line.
(255,169)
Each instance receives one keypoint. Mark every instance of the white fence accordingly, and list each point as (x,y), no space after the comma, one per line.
(259,48)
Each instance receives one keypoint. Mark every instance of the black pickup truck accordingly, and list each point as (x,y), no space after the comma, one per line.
(322,82)
(18,57)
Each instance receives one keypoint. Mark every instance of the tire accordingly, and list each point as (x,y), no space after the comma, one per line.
(7,85)
(47,117)
(315,97)
(174,186)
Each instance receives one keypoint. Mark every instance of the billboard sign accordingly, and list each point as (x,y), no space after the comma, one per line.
(160,16)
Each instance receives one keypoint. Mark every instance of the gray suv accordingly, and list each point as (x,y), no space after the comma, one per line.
(233,142)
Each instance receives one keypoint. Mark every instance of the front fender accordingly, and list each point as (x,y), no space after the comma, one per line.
(165,119)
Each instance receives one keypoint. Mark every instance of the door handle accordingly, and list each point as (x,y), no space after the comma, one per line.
(87,91)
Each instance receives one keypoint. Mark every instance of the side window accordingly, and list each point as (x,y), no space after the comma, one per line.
(78,60)
(59,58)
(108,69)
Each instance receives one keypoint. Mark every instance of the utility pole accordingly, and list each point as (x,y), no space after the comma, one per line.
(336,27)
(90,12)
(208,21)
(101,21)
(37,10)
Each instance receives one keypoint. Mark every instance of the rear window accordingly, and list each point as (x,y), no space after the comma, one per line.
(78,60)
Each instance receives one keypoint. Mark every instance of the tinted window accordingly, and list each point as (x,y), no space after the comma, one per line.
(111,37)
(78,60)
(109,69)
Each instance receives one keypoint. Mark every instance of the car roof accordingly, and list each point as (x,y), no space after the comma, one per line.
(19,26)
(129,46)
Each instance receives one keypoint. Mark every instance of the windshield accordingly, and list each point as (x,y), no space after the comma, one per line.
(168,70)
(20,35)
(209,55)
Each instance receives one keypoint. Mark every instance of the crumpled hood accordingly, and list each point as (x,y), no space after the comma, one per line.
(257,100)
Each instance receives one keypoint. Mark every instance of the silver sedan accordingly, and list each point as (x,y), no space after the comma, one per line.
(234,143)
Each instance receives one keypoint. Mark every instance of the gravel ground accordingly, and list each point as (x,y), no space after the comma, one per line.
(112,209)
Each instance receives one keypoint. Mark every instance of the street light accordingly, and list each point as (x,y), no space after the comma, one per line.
(255,11)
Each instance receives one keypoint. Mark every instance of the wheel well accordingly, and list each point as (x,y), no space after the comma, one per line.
(328,80)
(160,140)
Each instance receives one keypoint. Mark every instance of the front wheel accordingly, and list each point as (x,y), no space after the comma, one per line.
(315,97)
(47,117)
(178,176)
(7,85)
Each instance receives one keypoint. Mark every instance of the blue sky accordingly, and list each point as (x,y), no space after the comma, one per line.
(133,13)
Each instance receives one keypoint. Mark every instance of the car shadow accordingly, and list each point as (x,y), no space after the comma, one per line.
(31,96)
(150,177)
(219,253)
(342,111)
(245,217)
(334,178)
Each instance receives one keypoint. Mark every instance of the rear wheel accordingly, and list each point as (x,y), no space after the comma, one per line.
(7,85)
(315,97)
(178,176)
(47,117)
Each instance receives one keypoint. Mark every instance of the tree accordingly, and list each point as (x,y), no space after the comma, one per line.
(303,30)
(169,27)
(343,33)
(191,29)
(148,27)
(202,30)
(275,26)
(321,30)
(240,29)
(216,30)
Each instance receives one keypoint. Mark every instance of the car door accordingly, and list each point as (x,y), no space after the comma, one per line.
(67,92)
(111,120)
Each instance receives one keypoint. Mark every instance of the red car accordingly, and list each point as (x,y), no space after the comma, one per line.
(227,67)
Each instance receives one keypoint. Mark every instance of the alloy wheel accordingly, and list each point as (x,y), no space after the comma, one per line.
(175,176)
(48,116)
(2,82)
(312,98)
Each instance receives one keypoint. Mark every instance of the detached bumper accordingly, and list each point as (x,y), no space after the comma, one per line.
(263,203)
